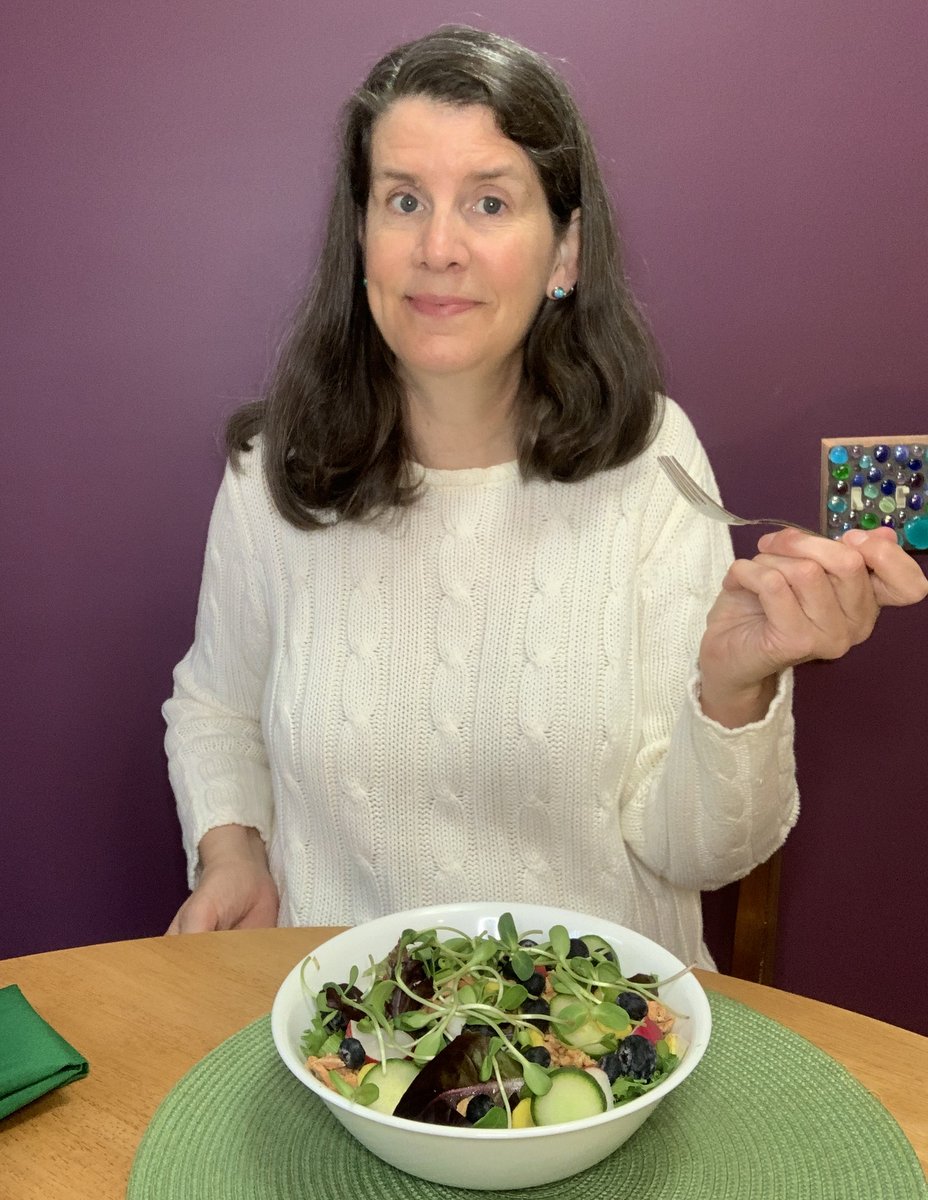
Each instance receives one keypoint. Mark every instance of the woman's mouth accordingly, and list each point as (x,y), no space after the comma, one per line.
(428,305)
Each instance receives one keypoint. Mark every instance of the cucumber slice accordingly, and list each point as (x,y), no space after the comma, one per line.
(587,1038)
(574,1094)
(392,1078)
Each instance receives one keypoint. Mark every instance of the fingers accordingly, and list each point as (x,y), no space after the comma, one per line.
(804,617)
(837,597)
(195,915)
(895,578)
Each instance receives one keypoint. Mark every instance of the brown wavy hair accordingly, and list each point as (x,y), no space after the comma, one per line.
(334,439)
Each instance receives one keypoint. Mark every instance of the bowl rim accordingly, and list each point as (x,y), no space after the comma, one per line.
(490,911)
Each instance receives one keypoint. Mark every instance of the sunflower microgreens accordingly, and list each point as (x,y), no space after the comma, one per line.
(437,982)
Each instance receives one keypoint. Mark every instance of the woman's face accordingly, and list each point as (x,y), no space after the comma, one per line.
(459,245)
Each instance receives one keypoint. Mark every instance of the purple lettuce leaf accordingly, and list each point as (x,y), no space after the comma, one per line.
(451,1076)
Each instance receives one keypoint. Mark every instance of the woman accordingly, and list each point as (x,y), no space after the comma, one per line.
(452,640)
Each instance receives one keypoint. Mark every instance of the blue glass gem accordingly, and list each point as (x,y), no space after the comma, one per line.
(874,475)
(881,453)
(916,501)
(866,462)
(889,522)
(846,525)
(837,455)
(916,532)
(836,504)
(858,480)
(901,454)
(888,487)
(915,464)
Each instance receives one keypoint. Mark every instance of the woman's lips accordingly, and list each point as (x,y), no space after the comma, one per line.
(440,306)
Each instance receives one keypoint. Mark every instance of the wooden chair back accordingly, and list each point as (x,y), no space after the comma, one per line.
(754,946)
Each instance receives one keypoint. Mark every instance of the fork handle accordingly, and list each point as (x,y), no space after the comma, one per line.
(771,521)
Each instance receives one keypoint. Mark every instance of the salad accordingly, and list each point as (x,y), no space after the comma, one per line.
(490,1032)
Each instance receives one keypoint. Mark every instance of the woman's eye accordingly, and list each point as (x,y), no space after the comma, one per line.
(405,202)
(490,206)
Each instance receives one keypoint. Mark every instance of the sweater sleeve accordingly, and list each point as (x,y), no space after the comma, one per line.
(703,804)
(217,760)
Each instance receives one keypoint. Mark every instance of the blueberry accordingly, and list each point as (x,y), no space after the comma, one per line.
(610,1064)
(636,1006)
(337,1023)
(637,1057)
(506,970)
(478,1106)
(535,984)
(537,1008)
(351,1052)
(537,1054)
(527,942)
(578,949)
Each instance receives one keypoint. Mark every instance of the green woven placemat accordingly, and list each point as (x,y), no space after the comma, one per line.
(765,1116)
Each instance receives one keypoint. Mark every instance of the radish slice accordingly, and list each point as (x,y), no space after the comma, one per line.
(396,1045)
(603,1080)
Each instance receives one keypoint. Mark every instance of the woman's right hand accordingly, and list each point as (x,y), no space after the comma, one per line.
(235,891)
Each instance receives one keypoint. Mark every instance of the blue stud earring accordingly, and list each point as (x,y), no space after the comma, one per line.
(558,294)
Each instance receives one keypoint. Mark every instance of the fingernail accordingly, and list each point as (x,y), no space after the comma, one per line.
(764,542)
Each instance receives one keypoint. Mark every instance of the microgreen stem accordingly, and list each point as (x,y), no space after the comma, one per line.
(505,1095)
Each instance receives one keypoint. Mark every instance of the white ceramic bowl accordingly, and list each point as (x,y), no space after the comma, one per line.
(476,1158)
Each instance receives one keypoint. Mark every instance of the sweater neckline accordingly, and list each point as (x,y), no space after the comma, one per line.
(450,477)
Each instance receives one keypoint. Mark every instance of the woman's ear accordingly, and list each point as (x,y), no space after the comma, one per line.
(567,260)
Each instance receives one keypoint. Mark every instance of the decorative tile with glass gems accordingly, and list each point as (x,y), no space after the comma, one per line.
(871,481)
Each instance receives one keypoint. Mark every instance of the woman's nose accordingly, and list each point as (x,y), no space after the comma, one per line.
(442,241)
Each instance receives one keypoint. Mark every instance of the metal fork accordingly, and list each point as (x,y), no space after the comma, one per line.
(693,494)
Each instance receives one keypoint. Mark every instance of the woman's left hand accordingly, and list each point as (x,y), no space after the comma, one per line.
(801,598)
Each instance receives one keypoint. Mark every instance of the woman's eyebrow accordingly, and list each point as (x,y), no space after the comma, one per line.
(495,173)
(390,173)
(487,176)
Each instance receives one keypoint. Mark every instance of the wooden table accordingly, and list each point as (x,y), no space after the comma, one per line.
(143,1012)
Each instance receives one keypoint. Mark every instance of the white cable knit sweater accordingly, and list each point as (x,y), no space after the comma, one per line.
(491,695)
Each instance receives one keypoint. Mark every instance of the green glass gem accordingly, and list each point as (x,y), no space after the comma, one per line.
(840,472)
(871,491)
(869,520)
(916,532)
(887,504)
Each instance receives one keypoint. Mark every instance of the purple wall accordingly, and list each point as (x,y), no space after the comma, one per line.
(164,176)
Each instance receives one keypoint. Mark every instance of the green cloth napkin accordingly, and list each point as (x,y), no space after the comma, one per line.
(33,1057)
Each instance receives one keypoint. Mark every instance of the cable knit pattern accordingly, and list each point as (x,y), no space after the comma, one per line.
(447,830)
(491,694)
